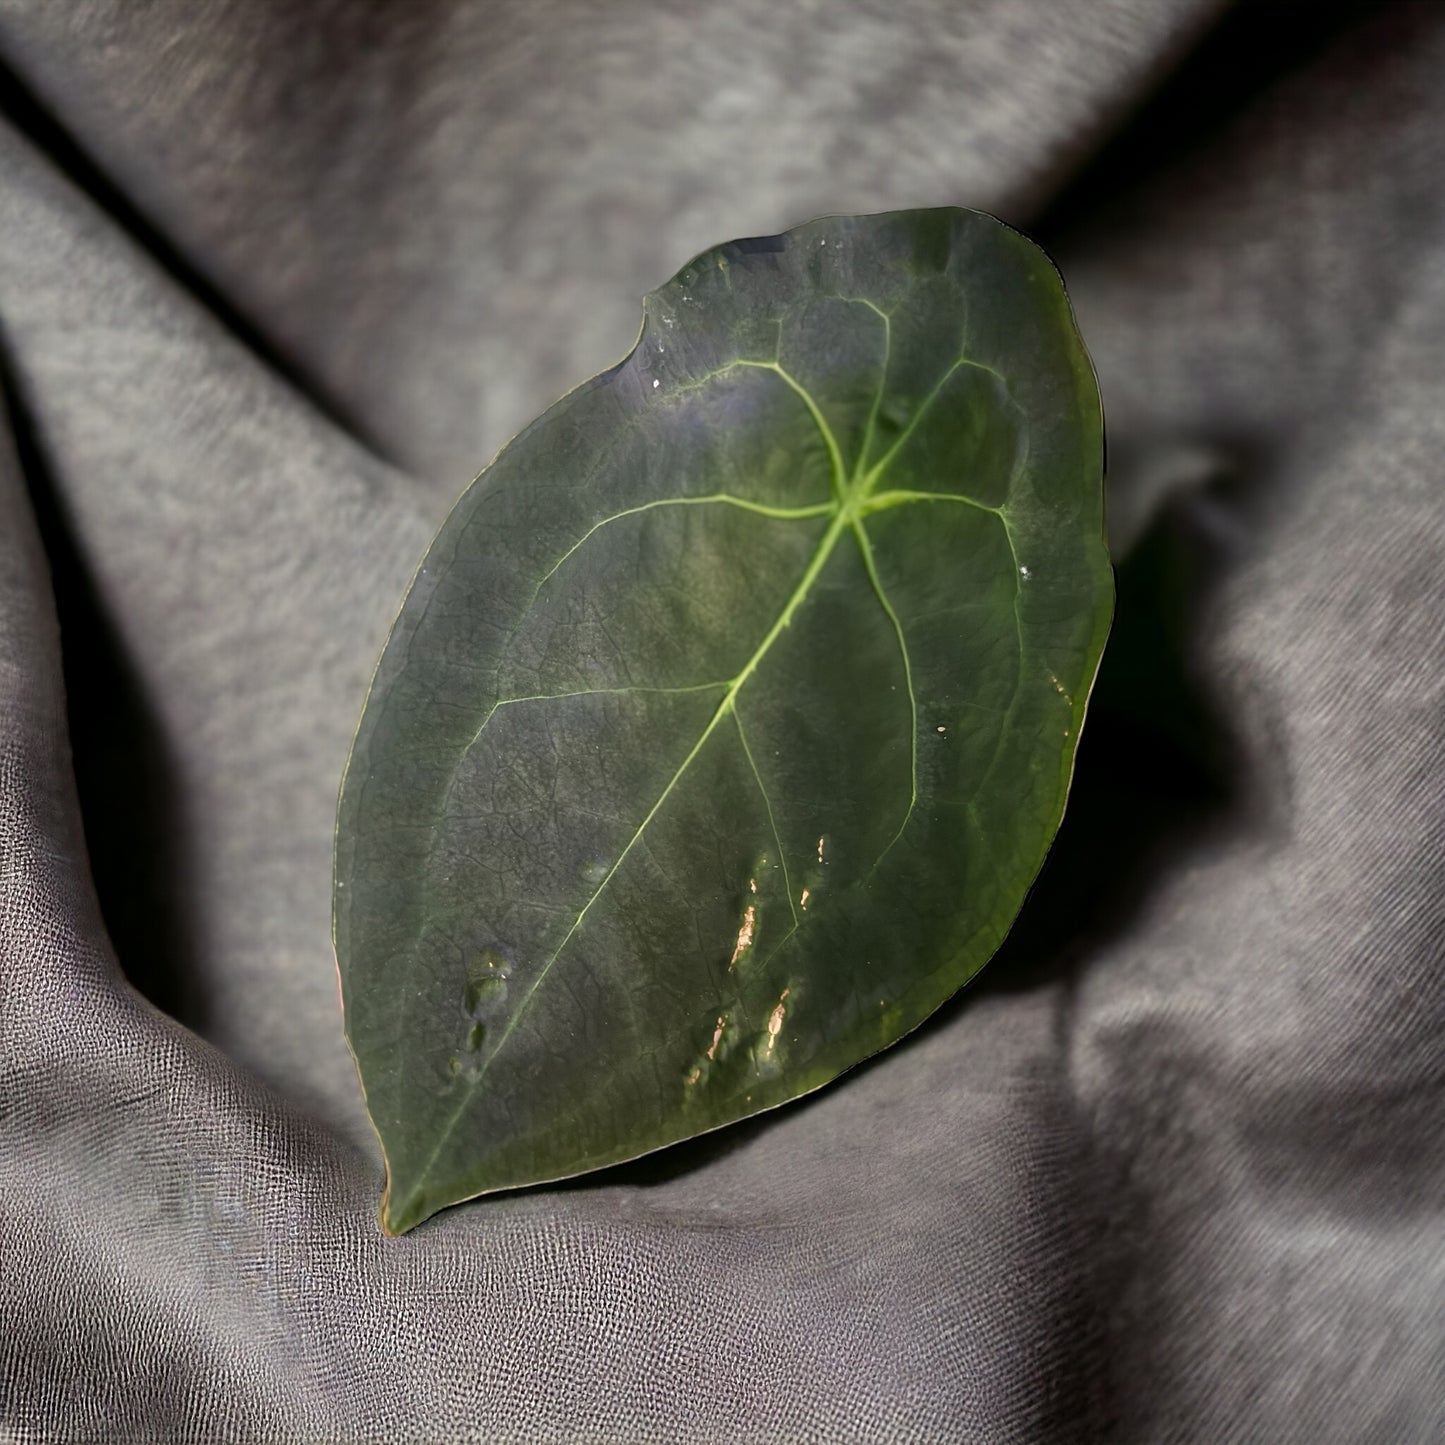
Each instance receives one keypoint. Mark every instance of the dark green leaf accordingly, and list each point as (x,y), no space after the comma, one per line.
(732,711)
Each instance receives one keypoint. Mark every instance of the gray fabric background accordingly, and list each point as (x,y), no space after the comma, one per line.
(275,280)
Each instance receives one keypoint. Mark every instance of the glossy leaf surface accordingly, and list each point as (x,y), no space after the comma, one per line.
(732,711)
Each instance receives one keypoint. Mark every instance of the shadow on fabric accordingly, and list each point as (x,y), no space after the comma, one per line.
(125,774)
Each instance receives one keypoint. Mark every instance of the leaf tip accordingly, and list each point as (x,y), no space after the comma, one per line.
(398,1218)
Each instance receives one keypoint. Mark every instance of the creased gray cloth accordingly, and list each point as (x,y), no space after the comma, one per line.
(275,280)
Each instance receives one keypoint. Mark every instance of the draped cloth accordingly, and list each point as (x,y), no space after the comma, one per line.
(275,281)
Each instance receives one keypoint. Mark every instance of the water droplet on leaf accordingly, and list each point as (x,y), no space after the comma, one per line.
(486,984)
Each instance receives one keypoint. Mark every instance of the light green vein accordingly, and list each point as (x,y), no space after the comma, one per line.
(782,514)
(866,549)
(768,804)
(762,968)
(971,807)
(885,500)
(629,691)
(875,472)
(786,514)
(882,501)
(872,424)
(835,455)
(611,692)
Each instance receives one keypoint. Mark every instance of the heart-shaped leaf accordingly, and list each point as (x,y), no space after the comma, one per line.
(732,711)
